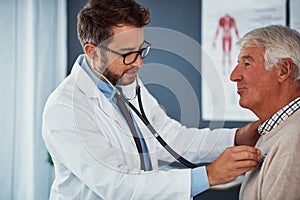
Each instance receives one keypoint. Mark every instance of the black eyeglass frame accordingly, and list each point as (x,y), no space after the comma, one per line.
(139,52)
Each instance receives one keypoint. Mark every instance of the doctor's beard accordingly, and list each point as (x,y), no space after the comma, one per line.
(115,78)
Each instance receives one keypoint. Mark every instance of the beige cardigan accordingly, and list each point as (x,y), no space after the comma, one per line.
(278,178)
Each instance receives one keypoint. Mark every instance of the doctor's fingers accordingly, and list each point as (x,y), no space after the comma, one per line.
(240,153)
(245,165)
(222,171)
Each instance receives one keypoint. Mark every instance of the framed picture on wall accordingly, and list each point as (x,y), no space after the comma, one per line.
(222,26)
(294,14)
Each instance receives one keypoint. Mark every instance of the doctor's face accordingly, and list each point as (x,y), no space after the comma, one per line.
(126,39)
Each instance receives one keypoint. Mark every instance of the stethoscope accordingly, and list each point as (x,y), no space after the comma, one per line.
(141,114)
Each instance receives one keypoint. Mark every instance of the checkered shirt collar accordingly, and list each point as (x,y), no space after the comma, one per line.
(279,117)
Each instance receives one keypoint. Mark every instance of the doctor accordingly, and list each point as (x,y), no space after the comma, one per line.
(90,139)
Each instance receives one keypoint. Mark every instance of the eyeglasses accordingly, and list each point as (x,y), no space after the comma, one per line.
(130,57)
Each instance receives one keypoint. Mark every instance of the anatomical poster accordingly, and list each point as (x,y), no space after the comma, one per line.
(223,23)
(295,14)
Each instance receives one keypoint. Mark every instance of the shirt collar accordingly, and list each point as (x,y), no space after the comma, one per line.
(279,117)
(104,87)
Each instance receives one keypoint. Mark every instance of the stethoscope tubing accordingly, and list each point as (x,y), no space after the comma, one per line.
(145,120)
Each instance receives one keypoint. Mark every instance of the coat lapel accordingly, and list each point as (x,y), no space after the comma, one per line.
(88,87)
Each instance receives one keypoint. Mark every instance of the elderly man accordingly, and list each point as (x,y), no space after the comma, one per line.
(268,82)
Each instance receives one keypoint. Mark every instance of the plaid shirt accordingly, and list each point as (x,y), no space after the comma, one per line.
(279,117)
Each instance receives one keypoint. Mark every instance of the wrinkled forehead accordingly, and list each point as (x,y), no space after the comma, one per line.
(125,38)
(252,50)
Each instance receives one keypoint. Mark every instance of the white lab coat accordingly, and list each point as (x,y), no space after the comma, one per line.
(95,156)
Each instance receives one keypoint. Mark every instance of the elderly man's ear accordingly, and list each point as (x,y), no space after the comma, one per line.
(285,69)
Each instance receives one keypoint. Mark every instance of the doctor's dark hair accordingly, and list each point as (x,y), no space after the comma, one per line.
(95,20)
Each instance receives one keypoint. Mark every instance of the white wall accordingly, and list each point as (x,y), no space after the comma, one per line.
(33,62)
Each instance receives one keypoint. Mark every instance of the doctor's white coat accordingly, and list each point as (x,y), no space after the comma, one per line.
(95,156)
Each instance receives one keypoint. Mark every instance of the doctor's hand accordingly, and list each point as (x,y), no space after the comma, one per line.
(248,134)
(233,162)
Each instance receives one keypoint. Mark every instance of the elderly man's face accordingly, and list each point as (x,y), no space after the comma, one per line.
(256,86)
